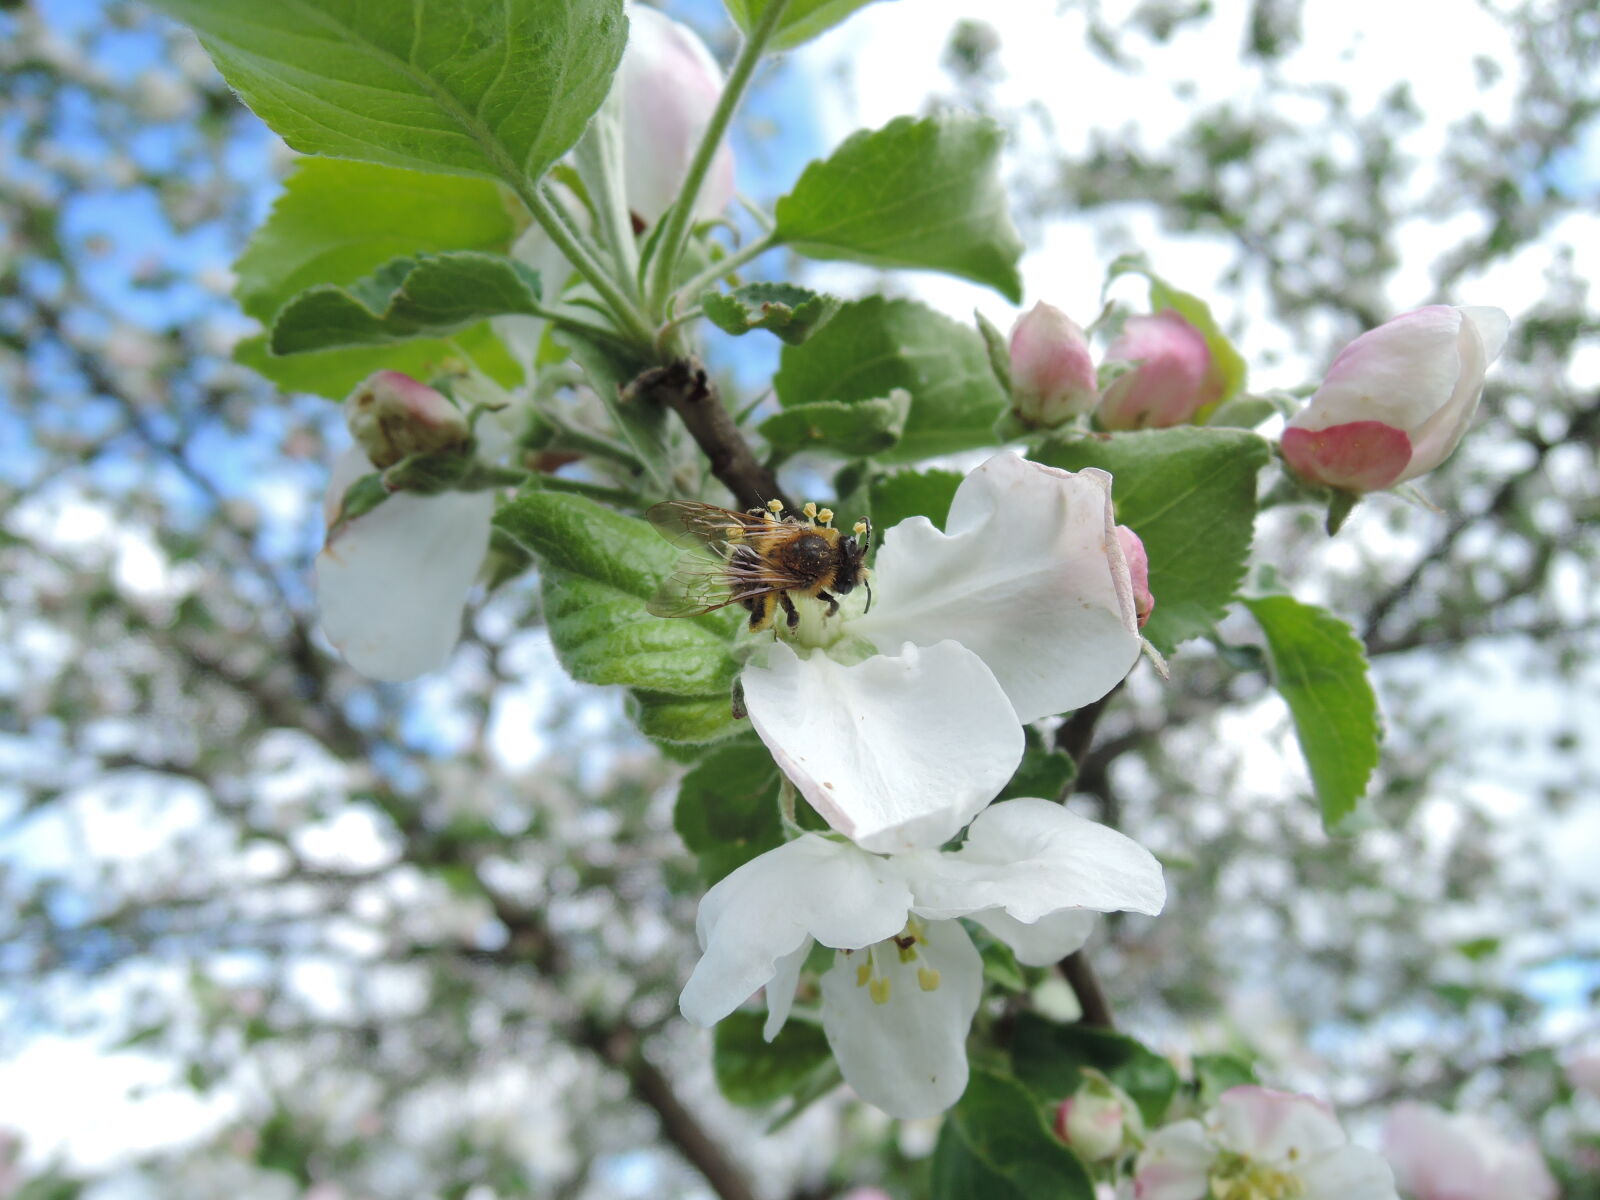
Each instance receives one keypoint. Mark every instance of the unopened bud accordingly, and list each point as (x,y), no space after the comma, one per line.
(1052,373)
(669,86)
(1396,401)
(1096,1119)
(1167,385)
(392,417)
(1138,571)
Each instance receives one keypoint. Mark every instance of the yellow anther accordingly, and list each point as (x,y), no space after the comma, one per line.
(927,979)
(859,528)
(825,516)
(908,952)
(774,507)
(863,973)
(879,989)
(810,509)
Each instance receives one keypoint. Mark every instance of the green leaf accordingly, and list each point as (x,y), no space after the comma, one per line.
(1190,495)
(1216,1073)
(500,88)
(336,373)
(338,221)
(801,21)
(1042,772)
(599,569)
(1226,377)
(1050,1058)
(855,430)
(430,295)
(1000,964)
(683,720)
(727,808)
(753,1072)
(1320,669)
(916,193)
(603,635)
(793,313)
(999,349)
(876,345)
(1243,412)
(901,494)
(995,1145)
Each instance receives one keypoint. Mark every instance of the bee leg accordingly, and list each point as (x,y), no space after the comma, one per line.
(833,604)
(790,611)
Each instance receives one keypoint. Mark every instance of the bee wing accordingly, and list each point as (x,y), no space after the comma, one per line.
(698,585)
(690,525)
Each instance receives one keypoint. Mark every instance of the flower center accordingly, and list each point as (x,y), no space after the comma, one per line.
(1238,1178)
(870,972)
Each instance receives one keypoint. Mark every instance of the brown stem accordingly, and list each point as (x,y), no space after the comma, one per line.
(1075,736)
(1079,973)
(684,387)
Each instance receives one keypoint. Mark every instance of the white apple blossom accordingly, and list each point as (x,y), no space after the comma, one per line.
(1259,1144)
(901,993)
(899,722)
(1458,1156)
(392,582)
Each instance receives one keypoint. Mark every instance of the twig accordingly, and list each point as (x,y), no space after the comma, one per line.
(684,387)
(1075,736)
(1079,973)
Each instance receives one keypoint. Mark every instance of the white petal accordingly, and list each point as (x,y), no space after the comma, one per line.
(1351,1173)
(1030,576)
(1435,439)
(1491,324)
(894,751)
(781,987)
(768,908)
(392,583)
(1276,1127)
(1031,858)
(1175,1164)
(1048,940)
(907,1056)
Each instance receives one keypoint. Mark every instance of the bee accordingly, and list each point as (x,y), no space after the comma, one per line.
(762,559)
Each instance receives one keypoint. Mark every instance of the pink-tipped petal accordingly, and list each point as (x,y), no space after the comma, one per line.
(1362,456)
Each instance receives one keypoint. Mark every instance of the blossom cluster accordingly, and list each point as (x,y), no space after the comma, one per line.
(900,715)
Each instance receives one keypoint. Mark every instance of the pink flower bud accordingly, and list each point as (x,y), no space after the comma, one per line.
(392,416)
(1095,1118)
(1052,374)
(1168,385)
(1444,1156)
(1139,571)
(668,84)
(1396,400)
